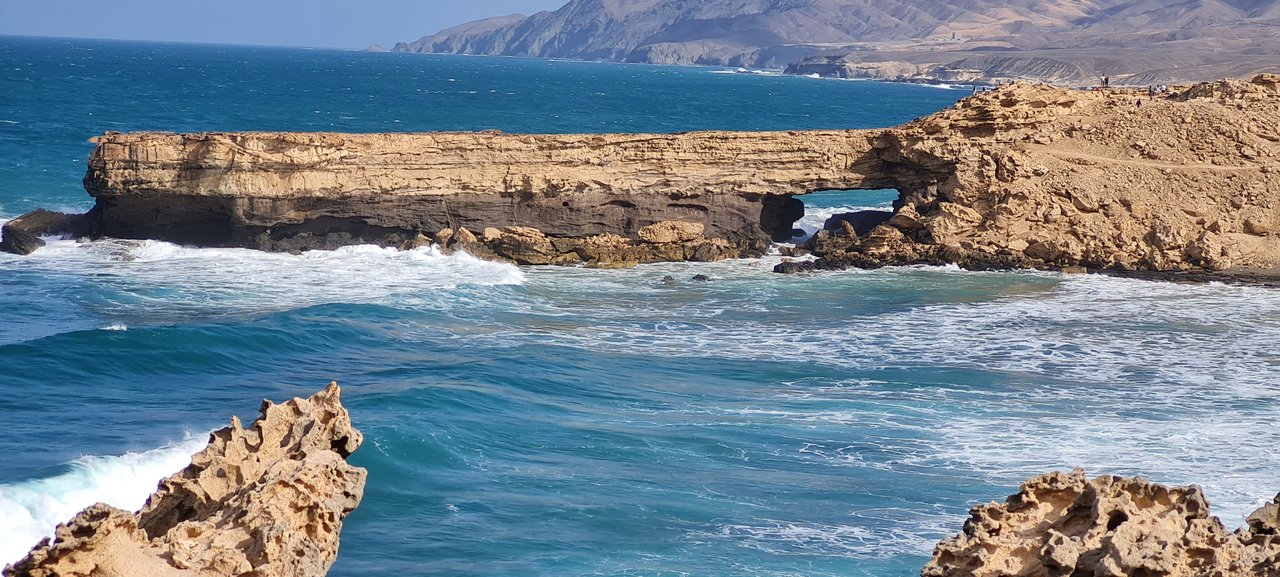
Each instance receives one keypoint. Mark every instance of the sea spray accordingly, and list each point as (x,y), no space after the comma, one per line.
(30,510)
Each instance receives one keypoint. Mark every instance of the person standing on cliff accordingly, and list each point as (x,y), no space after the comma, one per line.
(1106,82)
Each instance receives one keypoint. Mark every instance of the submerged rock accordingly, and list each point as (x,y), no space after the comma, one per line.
(262,501)
(22,235)
(1063,524)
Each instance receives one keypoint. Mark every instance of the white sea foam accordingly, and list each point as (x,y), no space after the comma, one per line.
(31,509)
(158,279)
(815,217)
(853,539)
(1173,382)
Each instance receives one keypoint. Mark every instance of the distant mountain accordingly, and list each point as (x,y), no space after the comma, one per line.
(943,40)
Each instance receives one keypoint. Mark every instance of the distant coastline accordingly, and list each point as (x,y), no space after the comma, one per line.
(1067,43)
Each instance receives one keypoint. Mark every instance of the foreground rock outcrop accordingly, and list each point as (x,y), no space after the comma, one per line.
(1063,524)
(262,501)
(1023,175)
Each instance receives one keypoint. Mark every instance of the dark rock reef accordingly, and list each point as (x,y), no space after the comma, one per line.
(262,501)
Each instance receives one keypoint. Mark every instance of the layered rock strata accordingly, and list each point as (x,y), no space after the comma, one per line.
(1036,176)
(262,501)
(289,191)
(1020,176)
(1063,524)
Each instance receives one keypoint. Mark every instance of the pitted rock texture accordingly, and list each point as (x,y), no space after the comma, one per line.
(1064,525)
(1023,175)
(1036,176)
(262,501)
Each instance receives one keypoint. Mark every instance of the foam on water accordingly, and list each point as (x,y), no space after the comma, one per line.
(32,509)
(160,280)
(1172,382)
(815,217)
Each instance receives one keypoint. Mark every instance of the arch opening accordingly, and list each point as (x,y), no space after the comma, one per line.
(862,208)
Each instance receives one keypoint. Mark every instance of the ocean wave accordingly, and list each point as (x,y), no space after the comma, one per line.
(32,509)
(1008,375)
(158,280)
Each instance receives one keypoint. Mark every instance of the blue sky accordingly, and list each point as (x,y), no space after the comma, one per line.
(314,23)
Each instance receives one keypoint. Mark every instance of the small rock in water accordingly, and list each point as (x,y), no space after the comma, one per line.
(668,279)
(701,278)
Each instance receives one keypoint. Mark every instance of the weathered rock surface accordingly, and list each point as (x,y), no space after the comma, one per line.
(290,191)
(1043,177)
(262,501)
(1020,176)
(1063,524)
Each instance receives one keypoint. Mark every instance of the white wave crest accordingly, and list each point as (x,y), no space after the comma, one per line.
(32,509)
(150,278)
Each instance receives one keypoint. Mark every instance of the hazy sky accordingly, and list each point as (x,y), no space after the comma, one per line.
(314,23)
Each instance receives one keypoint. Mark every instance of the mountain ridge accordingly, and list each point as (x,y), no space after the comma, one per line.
(1062,41)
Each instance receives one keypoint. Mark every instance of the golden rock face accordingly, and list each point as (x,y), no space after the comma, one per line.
(265,500)
(1022,175)
(1066,524)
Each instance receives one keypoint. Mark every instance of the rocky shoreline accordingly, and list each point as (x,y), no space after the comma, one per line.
(1021,176)
(267,500)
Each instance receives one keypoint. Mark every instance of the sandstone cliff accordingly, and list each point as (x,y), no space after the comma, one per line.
(1044,177)
(1020,176)
(1065,41)
(262,501)
(1066,525)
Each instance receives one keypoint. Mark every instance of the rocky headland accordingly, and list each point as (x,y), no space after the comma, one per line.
(1063,524)
(1024,175)
(263,501)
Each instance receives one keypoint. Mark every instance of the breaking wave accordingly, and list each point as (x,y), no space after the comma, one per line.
(32,509)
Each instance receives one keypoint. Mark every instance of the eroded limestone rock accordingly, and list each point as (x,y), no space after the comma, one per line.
(1063,524)
(1019,176)
(263,501)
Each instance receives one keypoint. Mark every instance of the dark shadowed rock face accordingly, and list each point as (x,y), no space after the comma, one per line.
(22,235)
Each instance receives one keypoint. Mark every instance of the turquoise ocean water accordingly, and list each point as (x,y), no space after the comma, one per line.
(543,421)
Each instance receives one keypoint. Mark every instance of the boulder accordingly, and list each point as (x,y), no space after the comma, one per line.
(670,231)
(1065,524)
(22,235)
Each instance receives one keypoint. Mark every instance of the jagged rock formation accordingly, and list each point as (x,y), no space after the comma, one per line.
(1065,41)
(1020,176)
(1044,177)
(262,501)
(1063,524)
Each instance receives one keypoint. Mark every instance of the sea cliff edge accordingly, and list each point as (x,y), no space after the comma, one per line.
(1020,176)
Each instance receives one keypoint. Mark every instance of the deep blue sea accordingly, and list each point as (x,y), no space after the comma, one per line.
(565,421)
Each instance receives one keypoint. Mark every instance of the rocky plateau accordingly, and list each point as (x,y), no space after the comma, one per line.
(1023,175)
(267,500)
